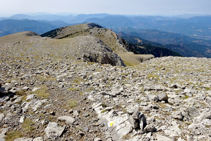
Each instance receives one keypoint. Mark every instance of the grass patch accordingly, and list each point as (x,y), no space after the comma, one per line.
(207,126)
(74,89)
(103,111)
(162,105)
(42,92)
(12,135)
(27,128)
(1,111)
(47,78)
(126,137)
(21,93)
(186,97)
(104,105)
(159,118)
(70,104)
(78,80)
(153,76)
(90,89)
(207,88)
(28,125)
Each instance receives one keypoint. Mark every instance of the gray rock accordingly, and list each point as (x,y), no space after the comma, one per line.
(45,121)
(177,115)
(81,133)
(2,133)
(205,115)
(142,121)
(75,113)
(150,128)
(85,129)
(70,111)
(3,91)
(24,139)
(174,86)
(25,88)
(1,117)
(133,122)
(136,114)
(153,98)
(53,130)
(192,112)
(67,119)
(163,97)
(85,114)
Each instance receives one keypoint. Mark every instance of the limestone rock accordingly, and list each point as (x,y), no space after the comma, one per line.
(192,112)
(53,130)
(163,97)
(177,115)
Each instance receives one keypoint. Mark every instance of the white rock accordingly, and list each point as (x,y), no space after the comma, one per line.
(30,97)
(35,89)
(97,139)
(53,130)
(22,119)
(25,88)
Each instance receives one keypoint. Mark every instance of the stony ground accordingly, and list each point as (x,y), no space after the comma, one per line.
(49,99)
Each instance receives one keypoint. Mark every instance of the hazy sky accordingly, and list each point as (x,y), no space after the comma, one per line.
(135,7)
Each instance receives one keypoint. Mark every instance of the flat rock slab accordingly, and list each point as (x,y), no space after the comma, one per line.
(53,130)
(162,138)
(24,139)
(38,139)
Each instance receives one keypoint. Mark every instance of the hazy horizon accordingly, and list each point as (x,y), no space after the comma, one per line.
(120,7)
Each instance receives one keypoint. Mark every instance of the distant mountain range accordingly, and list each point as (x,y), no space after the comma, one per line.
(198,27)
(185,45)
(189,36)
(13,26)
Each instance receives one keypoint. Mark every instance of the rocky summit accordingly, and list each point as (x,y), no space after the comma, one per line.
(79,89)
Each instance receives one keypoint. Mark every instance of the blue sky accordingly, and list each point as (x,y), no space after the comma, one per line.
(128,7)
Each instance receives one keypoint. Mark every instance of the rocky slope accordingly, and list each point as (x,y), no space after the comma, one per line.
(63,99)
(110,38)
(30,45)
